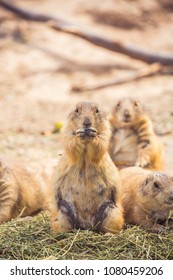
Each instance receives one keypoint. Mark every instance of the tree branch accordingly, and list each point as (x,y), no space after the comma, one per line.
(112,45)
(143,73)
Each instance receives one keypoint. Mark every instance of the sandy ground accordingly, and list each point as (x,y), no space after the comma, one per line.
(38,67)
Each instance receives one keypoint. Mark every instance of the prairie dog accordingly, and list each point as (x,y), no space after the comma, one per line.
(133,141)
(147,196)
(86,183)
(23,190)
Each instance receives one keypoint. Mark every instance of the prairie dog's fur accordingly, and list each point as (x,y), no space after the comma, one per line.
(86,184)
(23,190)
(147,196)
(133,141)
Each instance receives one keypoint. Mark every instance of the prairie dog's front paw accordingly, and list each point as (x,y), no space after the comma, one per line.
(80,132)
(143,161)
(87,133)
(91,132)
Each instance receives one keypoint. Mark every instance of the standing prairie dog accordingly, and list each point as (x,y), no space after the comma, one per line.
(23,190)
(133,141)
(86,183)
(147,196)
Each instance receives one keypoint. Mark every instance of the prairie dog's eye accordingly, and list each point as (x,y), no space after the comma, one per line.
(118,104)
(156,185)
(97,111)
(77,110)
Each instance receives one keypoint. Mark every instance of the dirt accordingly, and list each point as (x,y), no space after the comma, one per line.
(39,66)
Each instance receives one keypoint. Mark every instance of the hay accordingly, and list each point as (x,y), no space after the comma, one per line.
(32,239)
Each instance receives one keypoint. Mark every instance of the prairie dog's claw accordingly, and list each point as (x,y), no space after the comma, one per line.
(143,161)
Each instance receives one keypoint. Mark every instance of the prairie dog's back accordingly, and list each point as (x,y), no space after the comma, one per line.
(133,176)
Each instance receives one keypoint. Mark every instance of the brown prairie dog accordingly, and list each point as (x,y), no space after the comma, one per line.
(133,141)
(23,190)
(86,183)
(147,196)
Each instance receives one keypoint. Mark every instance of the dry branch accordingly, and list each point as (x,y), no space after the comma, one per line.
(70,65)
(150,70)
(112,45)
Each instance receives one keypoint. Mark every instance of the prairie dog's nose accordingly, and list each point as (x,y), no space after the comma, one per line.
(126,113)
(86,122)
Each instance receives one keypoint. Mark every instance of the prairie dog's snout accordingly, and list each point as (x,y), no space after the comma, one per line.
(87,130)
(127,115)
(86,122)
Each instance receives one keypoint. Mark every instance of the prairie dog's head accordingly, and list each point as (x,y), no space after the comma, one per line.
(126,112)
(87,120)
(157,190)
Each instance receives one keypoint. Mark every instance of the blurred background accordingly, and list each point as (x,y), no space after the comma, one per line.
(39,66)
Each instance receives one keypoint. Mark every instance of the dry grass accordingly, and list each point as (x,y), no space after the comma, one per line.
(32,239)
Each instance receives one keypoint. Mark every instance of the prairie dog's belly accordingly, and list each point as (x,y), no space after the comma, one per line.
(85,193)
(125,150)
